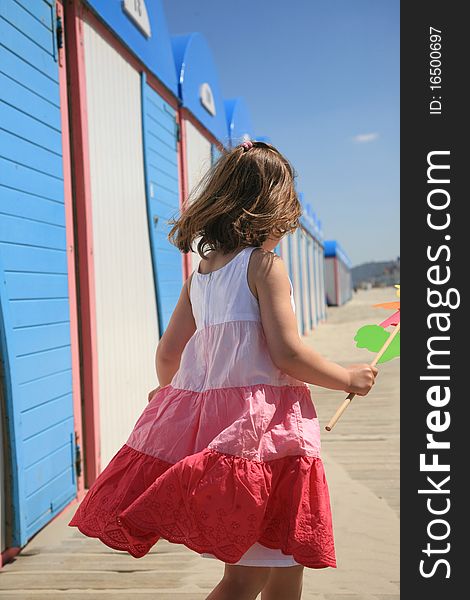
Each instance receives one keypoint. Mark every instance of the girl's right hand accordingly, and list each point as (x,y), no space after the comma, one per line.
(152,393)
(361,379)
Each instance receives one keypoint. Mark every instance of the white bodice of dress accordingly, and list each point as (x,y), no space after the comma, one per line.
(228,348)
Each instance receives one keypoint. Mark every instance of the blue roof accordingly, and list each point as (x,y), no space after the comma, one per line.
(308,220)
(332,248)
(198,83)
(154,51)
(239,123)
(263,138)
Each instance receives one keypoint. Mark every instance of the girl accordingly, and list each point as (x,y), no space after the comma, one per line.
(225,458)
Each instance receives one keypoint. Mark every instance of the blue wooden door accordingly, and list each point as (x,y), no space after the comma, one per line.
(34,297)
(161,173)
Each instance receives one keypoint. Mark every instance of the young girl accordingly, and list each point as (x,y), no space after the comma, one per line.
(225,458)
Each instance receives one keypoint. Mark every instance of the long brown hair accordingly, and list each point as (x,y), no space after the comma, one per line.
(245,197)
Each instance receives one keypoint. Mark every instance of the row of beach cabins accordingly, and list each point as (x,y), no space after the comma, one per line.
(107,121)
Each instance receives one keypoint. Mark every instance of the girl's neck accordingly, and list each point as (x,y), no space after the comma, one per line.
(216,259)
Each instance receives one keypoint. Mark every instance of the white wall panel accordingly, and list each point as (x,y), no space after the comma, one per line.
(296,275)
(126,313)
(307,299)
(198,160)
(313,282)
(330,281)
(322,305)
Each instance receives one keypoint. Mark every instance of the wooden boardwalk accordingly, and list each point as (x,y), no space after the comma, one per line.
(361,457)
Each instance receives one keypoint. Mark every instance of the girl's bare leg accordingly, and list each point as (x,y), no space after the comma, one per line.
(284,583)
(240,583)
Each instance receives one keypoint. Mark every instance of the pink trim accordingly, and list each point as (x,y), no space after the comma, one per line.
(69,229)
(337,290)
(181,185)
(183,116)
(312,266)
(188,116)
(183,163)
(7,555)
(84,227)
(75,14)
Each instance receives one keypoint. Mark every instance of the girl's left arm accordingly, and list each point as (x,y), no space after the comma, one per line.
(175,337)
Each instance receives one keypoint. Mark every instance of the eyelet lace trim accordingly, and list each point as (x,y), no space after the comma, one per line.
(212,503)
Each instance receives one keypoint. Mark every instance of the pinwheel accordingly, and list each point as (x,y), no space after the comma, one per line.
(376,338)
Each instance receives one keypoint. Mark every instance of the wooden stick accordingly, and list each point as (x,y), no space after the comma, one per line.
(348,399)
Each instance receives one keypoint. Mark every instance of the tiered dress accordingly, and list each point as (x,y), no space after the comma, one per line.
(225,459)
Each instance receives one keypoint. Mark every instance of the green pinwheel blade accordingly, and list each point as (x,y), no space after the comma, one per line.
(373,337)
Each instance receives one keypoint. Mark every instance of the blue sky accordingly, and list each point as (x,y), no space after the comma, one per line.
(321,79)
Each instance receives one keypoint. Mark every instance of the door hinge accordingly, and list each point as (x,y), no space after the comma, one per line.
(178,132)
(57,33)
(78,457)
(60,33)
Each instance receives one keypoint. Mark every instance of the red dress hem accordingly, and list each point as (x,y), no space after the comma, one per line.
(212,503)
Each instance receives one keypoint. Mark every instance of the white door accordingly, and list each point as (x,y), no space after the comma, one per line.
(312,281)
(308,299)
(297,274)
(126,312)
(198,160)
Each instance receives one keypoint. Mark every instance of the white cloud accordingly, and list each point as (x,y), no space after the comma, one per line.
(363,138)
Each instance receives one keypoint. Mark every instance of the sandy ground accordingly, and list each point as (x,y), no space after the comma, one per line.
(361,457)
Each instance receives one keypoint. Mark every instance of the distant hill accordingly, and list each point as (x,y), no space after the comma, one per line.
(377,273)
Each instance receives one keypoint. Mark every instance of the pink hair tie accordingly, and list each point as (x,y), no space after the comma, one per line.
(247,145)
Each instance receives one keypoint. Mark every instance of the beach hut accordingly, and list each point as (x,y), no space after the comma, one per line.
(300,252)
(316,259)
(239,123)
(125,134)
(203,123)
(338,280)
(320,258)
(38,312)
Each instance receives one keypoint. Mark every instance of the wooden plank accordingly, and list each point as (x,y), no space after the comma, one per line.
(46,415)
(96,580)
(30,156)
(46,442)
(48,467)
(28,75)
(25,179)
(40,286)
(38,339)
(37,506)
(32,258)
(22,98)
(42,11)
(30,142)
(31,29)
(27,313)
(53,386)
(21,230)
(34,366)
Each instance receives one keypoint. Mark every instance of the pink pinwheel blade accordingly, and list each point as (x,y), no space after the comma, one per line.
(392,320)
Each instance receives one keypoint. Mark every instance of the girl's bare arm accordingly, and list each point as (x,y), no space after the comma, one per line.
(286,349)
(175,337)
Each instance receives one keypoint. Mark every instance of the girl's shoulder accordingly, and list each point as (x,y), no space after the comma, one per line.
(261,258)
(265,265)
